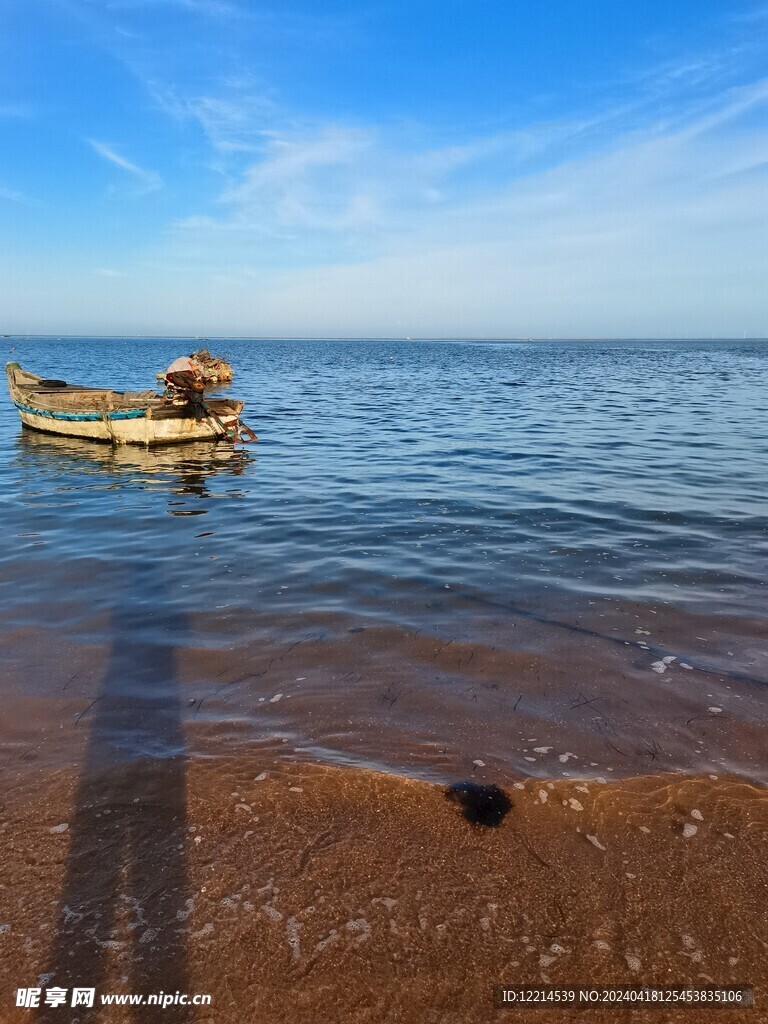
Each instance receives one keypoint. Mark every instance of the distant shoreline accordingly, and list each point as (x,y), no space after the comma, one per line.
(307,337)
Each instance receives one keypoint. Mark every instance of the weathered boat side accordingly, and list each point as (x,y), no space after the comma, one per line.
(115,417)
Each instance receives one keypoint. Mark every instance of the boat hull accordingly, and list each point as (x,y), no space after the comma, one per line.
(137,431)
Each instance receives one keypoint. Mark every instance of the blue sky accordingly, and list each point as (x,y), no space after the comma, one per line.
(554,168)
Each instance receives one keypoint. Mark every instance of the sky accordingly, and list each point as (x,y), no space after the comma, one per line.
(494,168)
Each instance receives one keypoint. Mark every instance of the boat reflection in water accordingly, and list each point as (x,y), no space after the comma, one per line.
(125,893)
(170,469)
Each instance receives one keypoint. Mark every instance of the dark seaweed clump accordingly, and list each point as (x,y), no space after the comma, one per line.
(480,804)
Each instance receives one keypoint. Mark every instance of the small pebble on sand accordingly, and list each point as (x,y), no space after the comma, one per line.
(697,815)
(59,828)
(596,842)
(689,831)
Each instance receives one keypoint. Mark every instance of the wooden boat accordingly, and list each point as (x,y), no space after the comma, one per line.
(117,417)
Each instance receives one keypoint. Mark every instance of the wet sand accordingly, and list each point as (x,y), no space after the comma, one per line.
(601,689)
(319,893)
(251,808)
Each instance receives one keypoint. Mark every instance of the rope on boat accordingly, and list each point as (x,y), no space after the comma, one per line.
(83,417)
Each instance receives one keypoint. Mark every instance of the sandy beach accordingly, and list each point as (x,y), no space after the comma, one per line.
(339,894)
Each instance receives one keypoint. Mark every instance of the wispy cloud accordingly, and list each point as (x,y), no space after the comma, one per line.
(14,196)
(665,229)
(237,118)
(343,179)
(212,8)
(208,75)
(643,208)
(148,181)
(209,8)
(323,181)
(358,186)
(753,14)
(734,104)
(17,110)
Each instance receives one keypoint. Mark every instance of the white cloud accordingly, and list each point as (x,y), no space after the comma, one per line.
(651,239)
(339,189)
(649,217)
(665,232)
(17,110)
(14,196)
(210,8)
(149,181)
(237,120)
(350,190)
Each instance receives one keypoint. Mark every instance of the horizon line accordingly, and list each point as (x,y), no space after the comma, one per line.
(380,337)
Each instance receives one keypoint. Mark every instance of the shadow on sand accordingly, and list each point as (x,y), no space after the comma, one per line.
(124,896)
